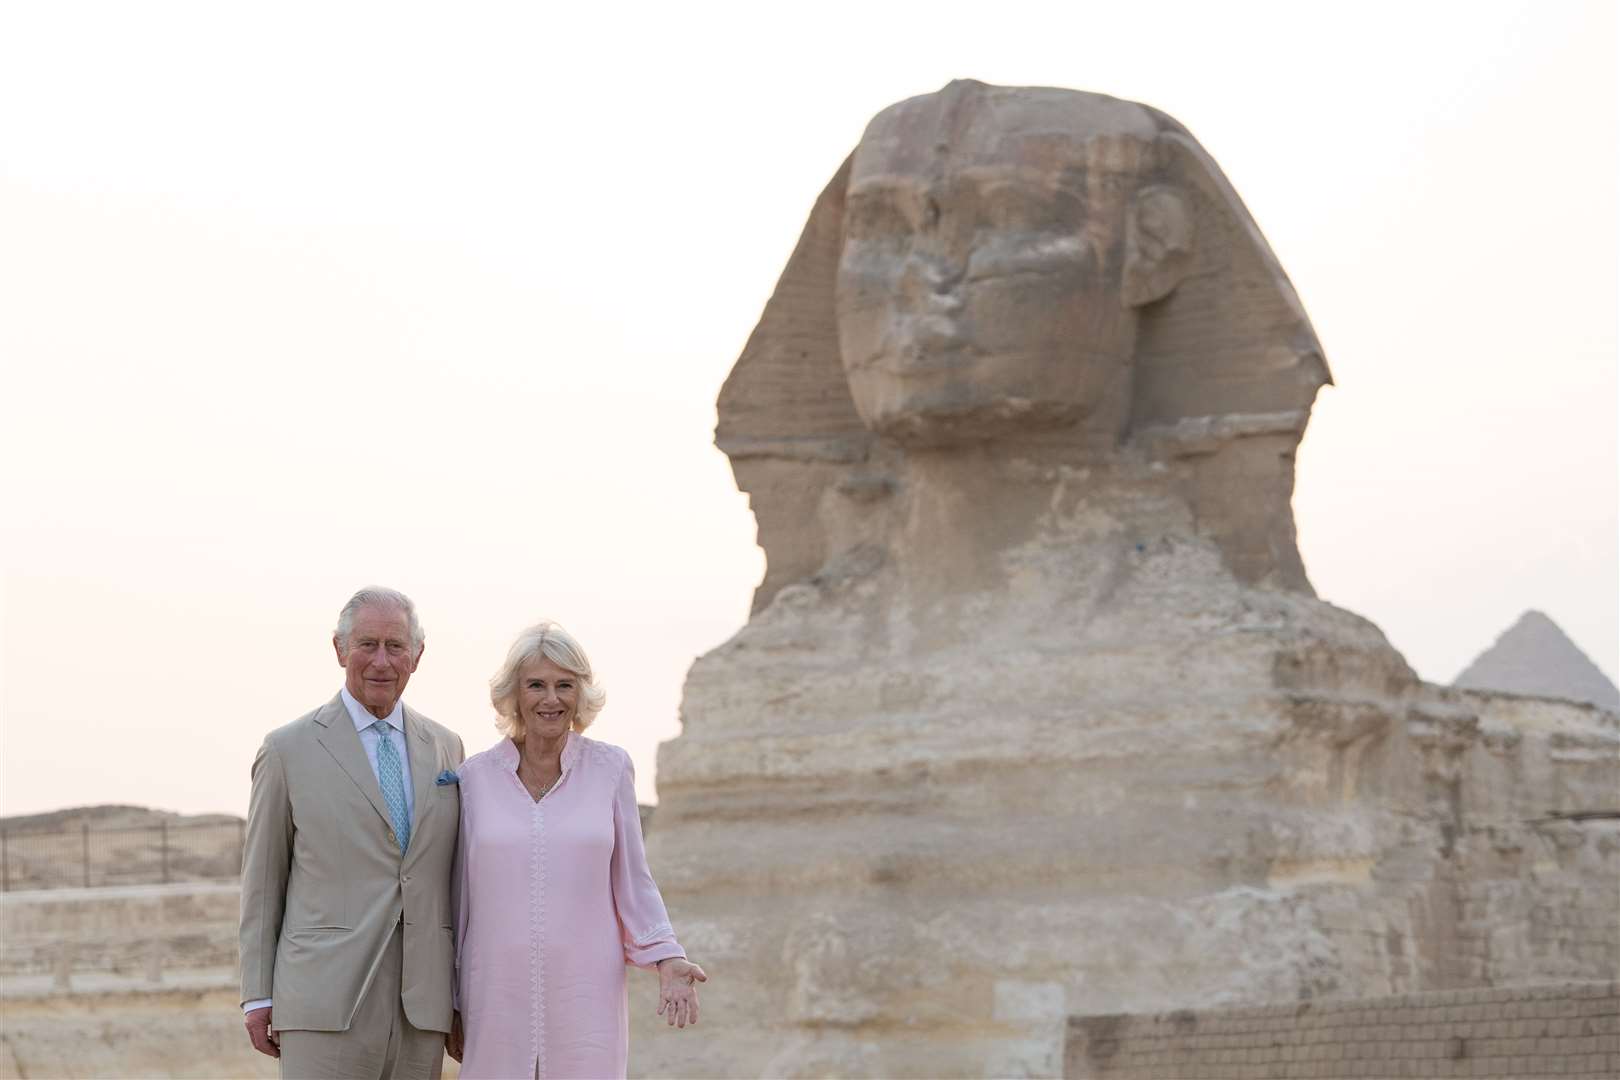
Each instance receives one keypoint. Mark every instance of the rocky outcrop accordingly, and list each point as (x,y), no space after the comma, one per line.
(1037,714)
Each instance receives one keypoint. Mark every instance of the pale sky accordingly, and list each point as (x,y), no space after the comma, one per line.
(300,297)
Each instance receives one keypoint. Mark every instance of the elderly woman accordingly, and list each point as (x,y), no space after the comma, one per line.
(551,889)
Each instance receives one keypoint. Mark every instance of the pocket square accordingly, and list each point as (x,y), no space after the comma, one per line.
(447,777)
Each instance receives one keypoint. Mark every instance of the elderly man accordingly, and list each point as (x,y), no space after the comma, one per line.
(347,935)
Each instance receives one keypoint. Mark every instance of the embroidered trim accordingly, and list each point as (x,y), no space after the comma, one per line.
(663,929)
(537,920)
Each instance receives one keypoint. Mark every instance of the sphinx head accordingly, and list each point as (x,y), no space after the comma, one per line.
(1003,267)
(997,246)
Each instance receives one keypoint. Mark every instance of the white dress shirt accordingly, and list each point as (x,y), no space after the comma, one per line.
(396,735)
(369,739)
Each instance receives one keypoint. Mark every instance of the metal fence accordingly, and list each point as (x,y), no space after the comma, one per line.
(89,856)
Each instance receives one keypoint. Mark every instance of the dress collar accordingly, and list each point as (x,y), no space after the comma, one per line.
(508,753)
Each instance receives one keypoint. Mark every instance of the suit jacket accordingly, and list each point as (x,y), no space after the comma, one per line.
(323,881)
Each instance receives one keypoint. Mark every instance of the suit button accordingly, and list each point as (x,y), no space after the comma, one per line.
(406,879)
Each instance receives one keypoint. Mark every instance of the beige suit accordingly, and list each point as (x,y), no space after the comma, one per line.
(324,886)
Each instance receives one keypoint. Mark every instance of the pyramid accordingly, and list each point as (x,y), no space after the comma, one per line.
(1534,657)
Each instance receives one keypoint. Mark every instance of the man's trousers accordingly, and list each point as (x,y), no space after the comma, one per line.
(381,1044)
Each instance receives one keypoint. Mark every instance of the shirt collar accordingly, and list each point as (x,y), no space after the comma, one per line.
(363,719)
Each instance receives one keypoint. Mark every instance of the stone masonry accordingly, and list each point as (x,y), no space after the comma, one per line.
(1555,1030)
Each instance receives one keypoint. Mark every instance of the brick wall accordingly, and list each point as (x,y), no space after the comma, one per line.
(1555,1030)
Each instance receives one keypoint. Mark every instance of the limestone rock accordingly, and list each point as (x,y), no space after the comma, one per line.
(158,1033)
(1036,714)
(1535,657)
(1065,274)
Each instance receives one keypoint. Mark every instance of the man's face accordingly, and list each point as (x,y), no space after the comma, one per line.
(978,291)
(379,659)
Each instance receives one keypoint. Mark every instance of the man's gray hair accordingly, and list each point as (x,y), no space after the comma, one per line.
(377,596)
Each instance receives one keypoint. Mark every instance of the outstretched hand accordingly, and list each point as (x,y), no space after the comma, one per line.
(260,1033)
(677,991)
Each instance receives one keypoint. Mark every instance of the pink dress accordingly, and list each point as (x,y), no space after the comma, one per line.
(553,899)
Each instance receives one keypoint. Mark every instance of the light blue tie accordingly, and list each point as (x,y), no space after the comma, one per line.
(391,778)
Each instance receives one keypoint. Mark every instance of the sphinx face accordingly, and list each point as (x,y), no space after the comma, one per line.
(979,287)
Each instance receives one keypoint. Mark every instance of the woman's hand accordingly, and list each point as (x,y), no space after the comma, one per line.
(677,990)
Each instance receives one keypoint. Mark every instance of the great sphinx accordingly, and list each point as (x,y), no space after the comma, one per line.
(1035,274)
(1036,713)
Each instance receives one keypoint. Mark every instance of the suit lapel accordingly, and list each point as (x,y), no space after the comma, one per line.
(338,736)
(424,767)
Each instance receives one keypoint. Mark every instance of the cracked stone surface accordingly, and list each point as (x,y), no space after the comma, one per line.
(1036,714)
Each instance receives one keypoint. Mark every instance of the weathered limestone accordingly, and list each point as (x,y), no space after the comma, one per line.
(142,935)
(155,1033)
(1036,714)
(123,981)
(1065,274)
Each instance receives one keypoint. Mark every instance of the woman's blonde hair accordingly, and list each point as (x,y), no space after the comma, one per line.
(544,639)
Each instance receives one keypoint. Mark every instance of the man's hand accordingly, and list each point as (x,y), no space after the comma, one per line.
(454,1042)
(265,1040)
(677,991)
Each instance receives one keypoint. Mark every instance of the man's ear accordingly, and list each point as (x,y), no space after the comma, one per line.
(337,648)
(1158,245)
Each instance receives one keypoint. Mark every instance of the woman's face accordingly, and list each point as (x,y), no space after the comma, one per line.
(548,698)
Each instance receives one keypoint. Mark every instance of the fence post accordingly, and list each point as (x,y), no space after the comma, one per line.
(5,864)
(86,827)
(165,826)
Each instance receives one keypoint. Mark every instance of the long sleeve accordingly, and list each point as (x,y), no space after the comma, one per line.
(643,921)
(458,898)
(266,860)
